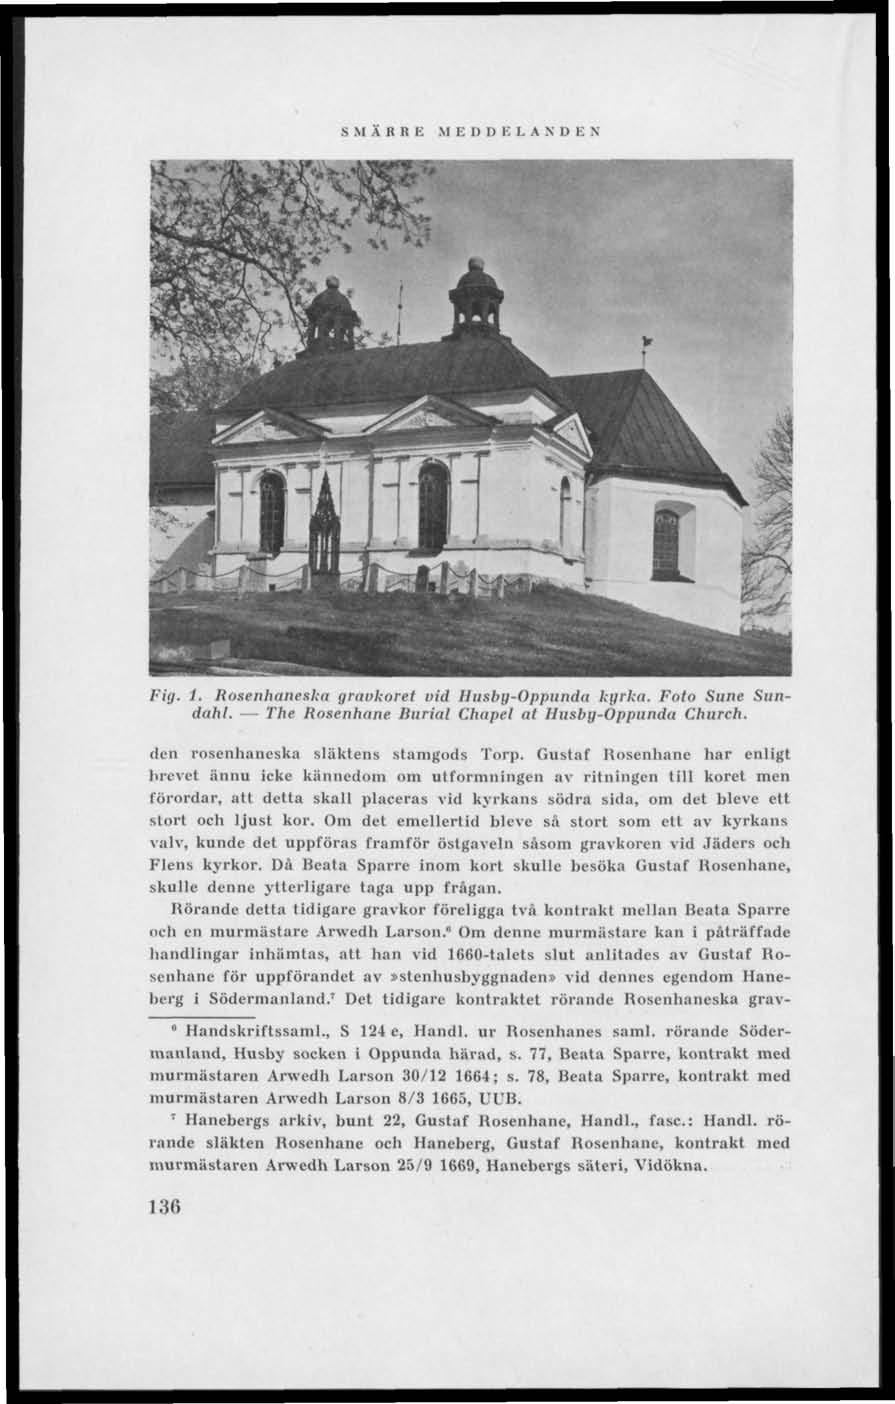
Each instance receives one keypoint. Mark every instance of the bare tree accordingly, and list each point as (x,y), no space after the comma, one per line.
(767,553)
(234,245)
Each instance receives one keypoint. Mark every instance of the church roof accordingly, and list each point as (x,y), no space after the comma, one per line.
(636,430)
(465,364)
(180,449)
(633,427)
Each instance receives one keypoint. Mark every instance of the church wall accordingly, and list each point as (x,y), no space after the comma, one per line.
(238,500)
(505,516)
(230,484)
(502,502)
(386,499)
(468,470)
(395,505)
(504,490)
(511,407)
(520,498)
(563,524)
(619,559)
(505,511)
(296,502)
(352,500)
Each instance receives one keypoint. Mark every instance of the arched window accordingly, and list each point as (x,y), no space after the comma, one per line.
(565,517)
(433,487)
(666,532)
(273,513)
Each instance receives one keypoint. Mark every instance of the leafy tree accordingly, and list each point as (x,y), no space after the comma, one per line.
(767,555)
(234,246)
(202,383)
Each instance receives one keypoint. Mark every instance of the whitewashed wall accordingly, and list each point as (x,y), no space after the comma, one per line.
(619,558)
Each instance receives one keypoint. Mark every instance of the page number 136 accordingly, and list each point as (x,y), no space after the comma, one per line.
(164,1206)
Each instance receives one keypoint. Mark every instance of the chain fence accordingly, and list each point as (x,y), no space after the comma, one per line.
(373,578)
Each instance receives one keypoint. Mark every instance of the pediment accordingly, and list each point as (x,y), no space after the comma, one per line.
(269,426)
(573,431)
(430,412)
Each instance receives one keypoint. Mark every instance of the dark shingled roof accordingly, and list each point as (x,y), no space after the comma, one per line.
(453,367)
(636,430)
(180,449)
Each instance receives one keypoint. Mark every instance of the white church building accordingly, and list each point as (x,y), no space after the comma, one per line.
(462,452)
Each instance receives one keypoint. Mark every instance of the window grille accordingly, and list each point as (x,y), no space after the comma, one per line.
(273,513)
(665,545)
(433,491)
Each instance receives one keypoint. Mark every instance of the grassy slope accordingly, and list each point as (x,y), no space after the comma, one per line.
(552,632)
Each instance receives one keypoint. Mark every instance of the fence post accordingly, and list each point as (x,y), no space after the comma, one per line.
(373,585)
(305,578)
(244,578)
(472,583)
(443,582)
(182,580)
(499,586)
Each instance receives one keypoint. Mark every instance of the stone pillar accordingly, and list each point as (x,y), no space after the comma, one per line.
(287,471)
(454,463)
(472,583)
(443,583)
(408,504)
(499,586)
(385,478)
(248,532)
(305,578)
(301,504)
(374,578)
(482,524)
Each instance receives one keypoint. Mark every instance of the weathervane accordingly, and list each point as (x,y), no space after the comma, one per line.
(647,341)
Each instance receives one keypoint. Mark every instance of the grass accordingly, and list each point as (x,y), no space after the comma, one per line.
(553,632)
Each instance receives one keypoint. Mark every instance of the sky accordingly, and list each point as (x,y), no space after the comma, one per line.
(594,255)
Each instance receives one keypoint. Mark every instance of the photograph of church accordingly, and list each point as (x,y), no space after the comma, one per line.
(458,464)
(461,452)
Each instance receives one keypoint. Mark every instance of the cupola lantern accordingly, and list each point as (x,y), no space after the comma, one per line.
(476,300)
(331,320)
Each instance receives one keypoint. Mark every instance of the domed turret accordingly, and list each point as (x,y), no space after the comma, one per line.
(331,320)
(476,300)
